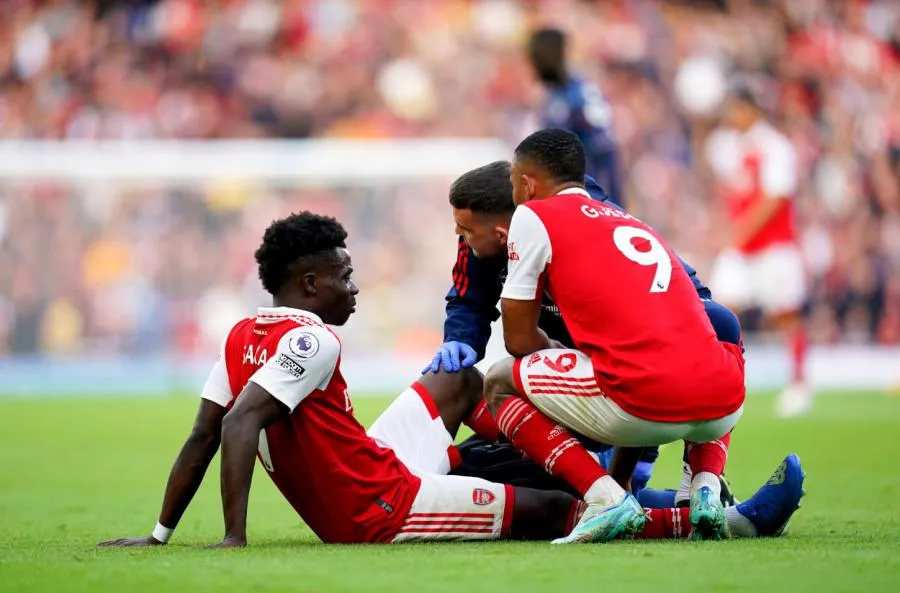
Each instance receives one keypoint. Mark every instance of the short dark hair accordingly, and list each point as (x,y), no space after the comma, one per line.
(744,93)
(548,37)
(300,235)
(485,190)
(559,152)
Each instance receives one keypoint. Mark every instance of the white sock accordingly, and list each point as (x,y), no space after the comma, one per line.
(739,525)
(684,488)
(605,492)
(709,480)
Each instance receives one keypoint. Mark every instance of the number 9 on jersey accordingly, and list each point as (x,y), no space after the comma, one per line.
(655,256)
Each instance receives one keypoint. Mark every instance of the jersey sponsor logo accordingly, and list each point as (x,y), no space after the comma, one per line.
(511,251)
(482,497)
(285,362)
(255,357)
(260,332)
(304,345)
(548,305)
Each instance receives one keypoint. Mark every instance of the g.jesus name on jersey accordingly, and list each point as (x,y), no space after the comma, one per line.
(629,304)
(343,485)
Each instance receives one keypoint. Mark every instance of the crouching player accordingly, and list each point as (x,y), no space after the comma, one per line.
(483,206)
(648,369)
(277,393)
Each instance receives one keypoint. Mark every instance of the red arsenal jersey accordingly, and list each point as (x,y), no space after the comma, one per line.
(753,166)
(628,304)
(344,486)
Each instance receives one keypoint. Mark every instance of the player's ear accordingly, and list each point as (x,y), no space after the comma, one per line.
(502,233)
(530,187)
(308,281)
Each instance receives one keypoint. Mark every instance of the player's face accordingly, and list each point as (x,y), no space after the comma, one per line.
(336,290)
(738,115)
(482,233)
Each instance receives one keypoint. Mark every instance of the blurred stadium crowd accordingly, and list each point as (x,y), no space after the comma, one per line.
(155,267)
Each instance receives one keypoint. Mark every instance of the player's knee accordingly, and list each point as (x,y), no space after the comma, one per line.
(462,388)
(724,322)
(499,383)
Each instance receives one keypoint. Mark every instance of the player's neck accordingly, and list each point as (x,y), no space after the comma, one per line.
(295,302)
(561,187)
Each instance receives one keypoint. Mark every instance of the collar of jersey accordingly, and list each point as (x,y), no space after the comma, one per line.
(277,314)
(574,190)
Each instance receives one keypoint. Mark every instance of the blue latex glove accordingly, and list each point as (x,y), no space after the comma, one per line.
(641,476)
(605,457)
(448,356)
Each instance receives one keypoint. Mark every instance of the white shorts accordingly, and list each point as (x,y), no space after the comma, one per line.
(572,398)
(773,279)
(446,507)
(412,427)
(451,508)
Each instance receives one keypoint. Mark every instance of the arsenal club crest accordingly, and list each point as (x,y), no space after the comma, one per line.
(482,497)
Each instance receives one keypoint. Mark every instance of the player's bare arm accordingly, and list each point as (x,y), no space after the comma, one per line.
(186,475)
(521,333)
(255,409)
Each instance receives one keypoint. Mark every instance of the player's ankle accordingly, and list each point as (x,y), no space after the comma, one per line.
(738,524)
(708,480)
(605,492)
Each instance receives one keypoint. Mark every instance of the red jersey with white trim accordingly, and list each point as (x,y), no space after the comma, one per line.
(628,304)
(751,167)
(347,488)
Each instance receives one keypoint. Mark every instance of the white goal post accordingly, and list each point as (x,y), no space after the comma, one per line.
(299,163)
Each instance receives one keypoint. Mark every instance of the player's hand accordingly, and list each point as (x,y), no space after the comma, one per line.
(452,356)
(131,542)
(230,542)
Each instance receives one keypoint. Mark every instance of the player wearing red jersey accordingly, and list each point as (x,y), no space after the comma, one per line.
(277,392)
(648,368)
(757,171)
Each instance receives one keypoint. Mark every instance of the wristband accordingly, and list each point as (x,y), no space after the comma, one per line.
(162,533)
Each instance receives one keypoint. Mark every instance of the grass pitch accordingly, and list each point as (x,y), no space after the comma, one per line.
(75,472)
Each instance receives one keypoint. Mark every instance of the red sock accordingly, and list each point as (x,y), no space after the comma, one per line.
(550,444)
(666,524)
(482,423)
(798,354)
(709,457)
